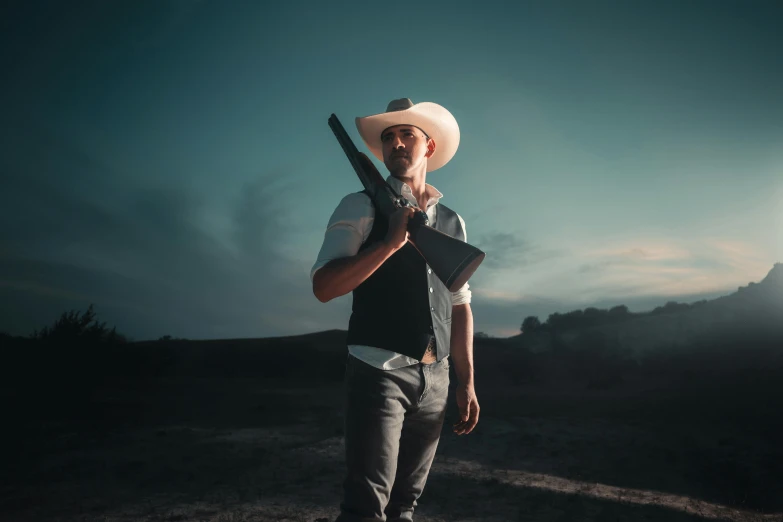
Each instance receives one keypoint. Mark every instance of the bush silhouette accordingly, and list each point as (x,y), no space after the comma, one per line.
(82,328)
(530,324)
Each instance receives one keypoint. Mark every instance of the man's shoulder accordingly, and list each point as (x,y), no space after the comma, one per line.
(448,211)
(359,199)
(450,215)
(354,206)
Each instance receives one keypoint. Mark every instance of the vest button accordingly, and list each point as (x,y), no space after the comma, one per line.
(431,290)
(432,309)
(430,327)
(429,270)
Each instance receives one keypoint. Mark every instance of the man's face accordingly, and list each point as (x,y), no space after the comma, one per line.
(405,147)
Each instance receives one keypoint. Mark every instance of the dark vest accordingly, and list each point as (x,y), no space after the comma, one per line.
(403,304)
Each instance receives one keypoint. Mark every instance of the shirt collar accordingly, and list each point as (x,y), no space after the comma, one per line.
(404,190)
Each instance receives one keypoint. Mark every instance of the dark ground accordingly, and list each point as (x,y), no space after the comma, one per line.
(243,430)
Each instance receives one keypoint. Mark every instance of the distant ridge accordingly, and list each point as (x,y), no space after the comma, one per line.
(762,298)
(752,312)
(758,302)
(775,276)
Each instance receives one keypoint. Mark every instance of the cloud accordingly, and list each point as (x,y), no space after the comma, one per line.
(506,250)
(141,253)
(644,250)
(655,267)
(595,268)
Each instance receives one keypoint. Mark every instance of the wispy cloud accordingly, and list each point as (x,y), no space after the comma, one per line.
(140,253)
(506,250)
(655,267)
(650,250)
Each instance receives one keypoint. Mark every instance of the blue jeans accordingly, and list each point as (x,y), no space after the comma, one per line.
(393,421)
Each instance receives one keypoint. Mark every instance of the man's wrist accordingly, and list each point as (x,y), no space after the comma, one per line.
(467,383)
(388,248)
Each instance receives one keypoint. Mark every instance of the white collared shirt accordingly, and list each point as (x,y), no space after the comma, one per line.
(348,228)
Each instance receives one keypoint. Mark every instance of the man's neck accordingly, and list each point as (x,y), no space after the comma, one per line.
(418,185)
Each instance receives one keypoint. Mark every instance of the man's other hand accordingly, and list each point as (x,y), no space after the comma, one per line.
(468,410)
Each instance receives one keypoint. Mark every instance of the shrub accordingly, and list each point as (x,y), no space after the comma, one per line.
(82,328)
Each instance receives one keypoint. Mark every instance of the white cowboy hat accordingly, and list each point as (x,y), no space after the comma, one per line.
(434,120)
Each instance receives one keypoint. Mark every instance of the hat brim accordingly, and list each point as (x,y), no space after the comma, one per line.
(435,120)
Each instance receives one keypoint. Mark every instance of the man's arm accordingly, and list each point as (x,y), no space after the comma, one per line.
(340,276)
(347,269)
(462,343)
(462,355)
(462,329)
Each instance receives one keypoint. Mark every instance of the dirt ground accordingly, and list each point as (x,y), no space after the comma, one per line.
(187,449)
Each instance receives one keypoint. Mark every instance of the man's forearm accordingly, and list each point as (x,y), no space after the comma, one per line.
(462,343)
(340,276)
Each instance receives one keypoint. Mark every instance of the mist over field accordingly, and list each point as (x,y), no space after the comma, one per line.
(590,414)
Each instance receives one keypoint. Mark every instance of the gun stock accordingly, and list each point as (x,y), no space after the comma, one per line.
(453,261)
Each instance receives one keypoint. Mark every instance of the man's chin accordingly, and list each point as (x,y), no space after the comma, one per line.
(397,163)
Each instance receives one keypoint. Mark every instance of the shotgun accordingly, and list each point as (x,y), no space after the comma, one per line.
(452,260)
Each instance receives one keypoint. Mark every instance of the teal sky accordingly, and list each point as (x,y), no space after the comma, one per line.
(171,161)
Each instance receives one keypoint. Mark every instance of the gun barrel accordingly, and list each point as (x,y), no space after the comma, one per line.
(379,190)
(353,155)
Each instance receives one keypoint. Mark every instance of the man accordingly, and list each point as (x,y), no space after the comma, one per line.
(405,323)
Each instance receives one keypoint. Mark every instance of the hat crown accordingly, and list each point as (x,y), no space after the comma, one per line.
(400,104)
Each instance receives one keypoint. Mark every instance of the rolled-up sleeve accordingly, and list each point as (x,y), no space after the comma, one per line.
(463,295)
(348,227)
